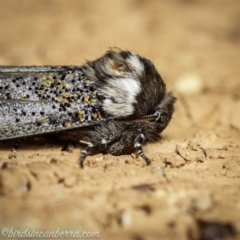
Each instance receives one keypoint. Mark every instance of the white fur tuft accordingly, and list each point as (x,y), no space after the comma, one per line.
(122,94)
(136,64)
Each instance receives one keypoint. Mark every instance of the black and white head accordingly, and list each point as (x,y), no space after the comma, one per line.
(135,89)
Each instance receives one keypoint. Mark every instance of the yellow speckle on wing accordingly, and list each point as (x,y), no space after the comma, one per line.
(93,100)
(49,76)
(86,81)
(67,124)
(60,86)
(94,115)
(70,95)
(60,98)
(81,119)
(99,115)
(22,98)
(64,94)
(71,75)
(65,100)
(58,81)
(44,84)
(42,92)
(86,98)
(64,84)
(43,77)
(48,82)
(94,93)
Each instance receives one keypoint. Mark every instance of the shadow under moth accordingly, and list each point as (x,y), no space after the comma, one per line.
(112,105)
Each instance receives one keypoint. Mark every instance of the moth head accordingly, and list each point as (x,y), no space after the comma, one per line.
(161,116)
(132,86)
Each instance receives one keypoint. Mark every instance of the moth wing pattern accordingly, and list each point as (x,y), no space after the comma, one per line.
(40,100)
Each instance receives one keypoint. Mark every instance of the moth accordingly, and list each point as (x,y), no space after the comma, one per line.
(112,105)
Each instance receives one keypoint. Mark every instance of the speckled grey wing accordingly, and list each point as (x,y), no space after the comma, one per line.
(39,100)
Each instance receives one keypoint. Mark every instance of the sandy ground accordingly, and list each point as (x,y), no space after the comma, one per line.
(192,189)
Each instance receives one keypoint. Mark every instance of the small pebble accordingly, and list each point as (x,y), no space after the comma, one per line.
(126,218)
(159,171)
(213,137)
(203,204)
(189,84)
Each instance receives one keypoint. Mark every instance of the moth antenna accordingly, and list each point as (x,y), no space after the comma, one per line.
(138,146)
(84,152)
(138,119)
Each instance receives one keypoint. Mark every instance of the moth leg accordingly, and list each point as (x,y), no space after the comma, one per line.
(17,144)
(84,152)
(138,146)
